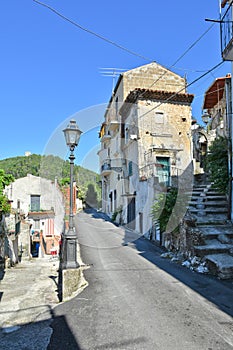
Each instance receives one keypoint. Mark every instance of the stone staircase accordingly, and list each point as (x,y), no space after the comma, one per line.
(210,208)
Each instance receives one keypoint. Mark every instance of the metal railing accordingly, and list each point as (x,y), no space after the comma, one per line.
(226,28)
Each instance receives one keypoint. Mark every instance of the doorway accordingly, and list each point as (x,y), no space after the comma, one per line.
(131,213)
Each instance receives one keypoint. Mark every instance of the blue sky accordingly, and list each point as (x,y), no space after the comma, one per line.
(51,70)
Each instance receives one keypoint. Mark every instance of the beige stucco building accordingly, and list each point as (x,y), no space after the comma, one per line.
(145,143)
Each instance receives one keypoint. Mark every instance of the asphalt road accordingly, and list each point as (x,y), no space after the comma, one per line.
(137,300)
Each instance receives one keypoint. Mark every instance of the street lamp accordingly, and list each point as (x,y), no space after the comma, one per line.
(72,136)
(205,117)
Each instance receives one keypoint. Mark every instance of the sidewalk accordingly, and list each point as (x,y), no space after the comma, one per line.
(28,292)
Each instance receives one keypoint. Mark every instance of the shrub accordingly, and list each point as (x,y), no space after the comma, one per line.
(163,206)
(217,164)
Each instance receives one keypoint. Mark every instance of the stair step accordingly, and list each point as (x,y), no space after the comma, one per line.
(213,247)
(220,264)
(220,219)
(214,193)
(217,197)
(209,203)
(209,198)
(216,230)
(210,210)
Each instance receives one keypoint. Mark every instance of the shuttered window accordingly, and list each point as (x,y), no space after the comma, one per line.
(35,203)
(130,168)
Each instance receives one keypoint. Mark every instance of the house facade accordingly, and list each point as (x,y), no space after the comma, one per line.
(217,111)
(145,143)
(226,38)
(42,203)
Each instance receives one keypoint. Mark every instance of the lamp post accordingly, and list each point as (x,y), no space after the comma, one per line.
(205,117)
(72,136)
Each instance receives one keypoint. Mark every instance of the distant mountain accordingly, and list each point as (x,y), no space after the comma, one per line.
(51,167)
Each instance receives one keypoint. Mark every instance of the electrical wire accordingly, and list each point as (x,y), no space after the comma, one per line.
(179,58)
(192,45)
(94,33)
(139,55)
(184,88)
(118,45)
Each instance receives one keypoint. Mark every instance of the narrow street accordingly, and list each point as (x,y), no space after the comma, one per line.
(137,300)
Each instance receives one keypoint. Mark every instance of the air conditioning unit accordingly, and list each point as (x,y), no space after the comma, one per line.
(133,137)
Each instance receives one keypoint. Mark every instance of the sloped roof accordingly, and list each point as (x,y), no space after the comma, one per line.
(223,3)
(144,94)
(215,93)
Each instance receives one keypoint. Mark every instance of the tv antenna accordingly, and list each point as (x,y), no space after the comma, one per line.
(112,72)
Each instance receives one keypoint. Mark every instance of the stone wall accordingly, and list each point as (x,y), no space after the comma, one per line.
(184,239)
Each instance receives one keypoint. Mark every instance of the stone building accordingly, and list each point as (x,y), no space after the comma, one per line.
(145,143)
(217,108)
(217,111)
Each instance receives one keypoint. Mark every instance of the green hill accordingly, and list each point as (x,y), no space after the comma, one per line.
(51,167)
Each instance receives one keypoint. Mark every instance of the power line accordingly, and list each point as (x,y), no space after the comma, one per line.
(135,53)
(118,45)
(191,46)
(184,88)
(179,58)
(94,33)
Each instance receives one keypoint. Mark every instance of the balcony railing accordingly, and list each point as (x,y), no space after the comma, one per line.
(226,27)
(106,137)
(106,168)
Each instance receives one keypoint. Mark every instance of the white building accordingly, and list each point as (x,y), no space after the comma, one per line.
(41,201)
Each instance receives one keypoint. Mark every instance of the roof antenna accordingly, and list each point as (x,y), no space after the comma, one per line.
(112,72)
(220,8)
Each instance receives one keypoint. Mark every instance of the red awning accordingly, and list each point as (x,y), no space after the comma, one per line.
(223,3)
(214,94)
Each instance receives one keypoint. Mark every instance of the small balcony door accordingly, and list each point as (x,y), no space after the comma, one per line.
(163,170)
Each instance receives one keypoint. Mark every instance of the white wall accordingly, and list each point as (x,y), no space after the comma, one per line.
(50,197)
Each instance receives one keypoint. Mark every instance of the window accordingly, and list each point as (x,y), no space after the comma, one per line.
(35,203)
(116,102)
(36,224)
(126,135)
(130,168)
(159,117)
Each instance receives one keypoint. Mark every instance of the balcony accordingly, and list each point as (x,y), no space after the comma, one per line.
(41,214)
(114,125)
(106,138)
(226,26)
(105,169)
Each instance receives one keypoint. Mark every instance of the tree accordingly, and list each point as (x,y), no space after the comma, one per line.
(51,167)
(91,196)
(5,180)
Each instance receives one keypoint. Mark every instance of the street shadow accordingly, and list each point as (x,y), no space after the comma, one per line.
(2,273)
(19,336)
(58,282)
(97,214)
(218,292)
(62,337)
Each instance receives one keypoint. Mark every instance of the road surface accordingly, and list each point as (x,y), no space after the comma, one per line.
(138,300)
